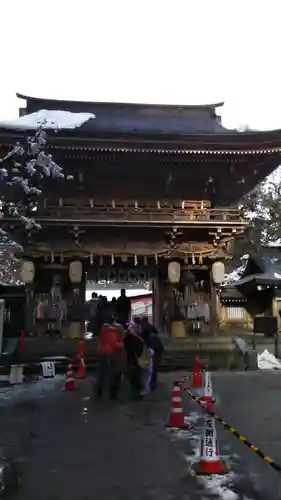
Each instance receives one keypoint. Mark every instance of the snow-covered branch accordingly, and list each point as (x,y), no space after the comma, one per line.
(22,169)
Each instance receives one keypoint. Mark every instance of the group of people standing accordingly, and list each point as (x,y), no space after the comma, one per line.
(127,349)
(99,309)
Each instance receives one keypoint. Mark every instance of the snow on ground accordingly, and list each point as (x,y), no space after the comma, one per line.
(29,390)
(48,119)
(267,361)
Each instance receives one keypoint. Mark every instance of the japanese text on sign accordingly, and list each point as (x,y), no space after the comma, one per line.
(208,438)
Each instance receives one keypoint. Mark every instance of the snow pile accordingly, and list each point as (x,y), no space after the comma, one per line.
(48,119)
(219,485)
(267,361)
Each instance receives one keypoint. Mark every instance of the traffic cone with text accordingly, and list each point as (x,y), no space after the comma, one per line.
(207,390)
(176,414)
(197,377)
(70,382)
(210,461)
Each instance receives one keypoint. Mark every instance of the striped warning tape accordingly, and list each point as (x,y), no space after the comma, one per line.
(234,431)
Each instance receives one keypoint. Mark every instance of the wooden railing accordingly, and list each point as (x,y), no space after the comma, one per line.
(181,212)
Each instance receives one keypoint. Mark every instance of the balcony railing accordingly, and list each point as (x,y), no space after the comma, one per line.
(185,212)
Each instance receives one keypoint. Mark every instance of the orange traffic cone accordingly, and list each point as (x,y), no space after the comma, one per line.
(210,460)
(81,368)
(176,414)
(197,377)
(69,383)
(207,391)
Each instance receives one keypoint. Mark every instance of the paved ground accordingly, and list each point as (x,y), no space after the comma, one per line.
(70,447)
(251,402)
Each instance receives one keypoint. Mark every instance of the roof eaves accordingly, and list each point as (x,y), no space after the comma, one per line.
(211,106)
(179,152)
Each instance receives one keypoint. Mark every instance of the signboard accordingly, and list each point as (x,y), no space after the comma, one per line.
(48,369)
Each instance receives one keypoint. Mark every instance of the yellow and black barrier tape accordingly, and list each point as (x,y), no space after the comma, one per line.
(235,432)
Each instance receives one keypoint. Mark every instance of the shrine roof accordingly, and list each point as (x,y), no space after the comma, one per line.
(141,128)
(267,262)
(135,118)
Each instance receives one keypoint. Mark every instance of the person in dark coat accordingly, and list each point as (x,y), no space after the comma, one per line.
(150,336)
(134,345)
(92,307)
(113,308)
(123,308)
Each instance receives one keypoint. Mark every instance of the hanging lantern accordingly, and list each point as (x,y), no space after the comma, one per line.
(124,258)
(183,205)
(193,260)
(202,205)
(27,271)
(136,260)
(91,259)
(145,260)
(200,259)
(136,204)
(113,204)
(101,260)
(158,205)
(52,258)
(174,272)
(112,260)
(156,259)
(186,261)
(75,271)
(218,272)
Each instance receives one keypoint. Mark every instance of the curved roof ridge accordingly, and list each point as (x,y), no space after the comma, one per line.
(194,106)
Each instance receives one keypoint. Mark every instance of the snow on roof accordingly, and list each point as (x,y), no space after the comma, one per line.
(48,119)
(234,275)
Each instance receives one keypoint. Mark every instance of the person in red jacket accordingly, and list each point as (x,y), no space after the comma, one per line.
(108,347)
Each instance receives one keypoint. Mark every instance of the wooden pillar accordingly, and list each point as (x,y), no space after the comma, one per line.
(214,308)
(157,303)
(29,324)
(276,312)
(77,309)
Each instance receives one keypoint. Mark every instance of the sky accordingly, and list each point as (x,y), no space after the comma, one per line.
(148,51)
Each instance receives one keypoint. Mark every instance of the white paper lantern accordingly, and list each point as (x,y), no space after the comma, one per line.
(218,272)
(27,271)
(174,272)
(75,271)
